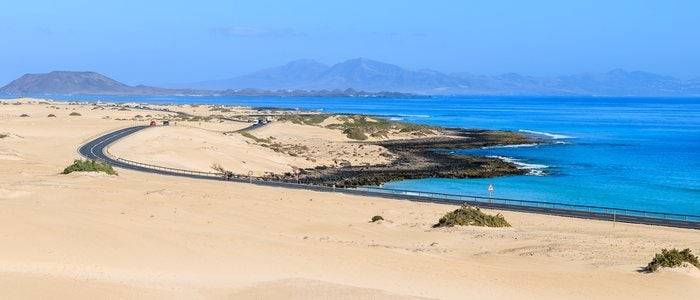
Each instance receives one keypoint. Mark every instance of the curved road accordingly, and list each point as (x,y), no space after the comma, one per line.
(95,150)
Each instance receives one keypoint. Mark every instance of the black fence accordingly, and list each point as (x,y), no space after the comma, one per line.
(554,208)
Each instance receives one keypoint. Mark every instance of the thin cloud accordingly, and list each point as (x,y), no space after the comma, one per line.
(256,32)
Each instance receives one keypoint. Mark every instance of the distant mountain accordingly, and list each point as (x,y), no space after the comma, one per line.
(366,74)
(68,82)
(359,73)
(363,77)
(370,75)
(91,83)
(620,82)
(292,75)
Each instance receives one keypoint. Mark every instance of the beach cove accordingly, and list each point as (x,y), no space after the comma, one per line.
(634,153)
(137,235)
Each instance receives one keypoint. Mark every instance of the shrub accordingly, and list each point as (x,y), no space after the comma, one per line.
(80,165)
(23,115)
(255,138)
(221,109)
(671,259)
(355,133)
(304,119)
(471,216)
(51,116)
(377,218)
(357,127)
(2,135)
(75,114)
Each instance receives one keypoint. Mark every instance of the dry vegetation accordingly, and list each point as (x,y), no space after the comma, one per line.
(377,218)
(80,165)
(269,142)
(672,259)
(358,127)
(471,216)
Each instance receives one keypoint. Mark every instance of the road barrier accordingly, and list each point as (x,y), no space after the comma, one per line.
(602,212)
(542,207)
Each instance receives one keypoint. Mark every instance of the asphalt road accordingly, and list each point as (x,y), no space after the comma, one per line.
(95,150)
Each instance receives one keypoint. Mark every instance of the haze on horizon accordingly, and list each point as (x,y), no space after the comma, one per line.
(170,42)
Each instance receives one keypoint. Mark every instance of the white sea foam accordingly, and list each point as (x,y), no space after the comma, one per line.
(415,116)
(511,146)
(532,169)
(395,119)
(555,136)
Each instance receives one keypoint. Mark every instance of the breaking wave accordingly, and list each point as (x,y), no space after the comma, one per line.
(532,169)
(555,136)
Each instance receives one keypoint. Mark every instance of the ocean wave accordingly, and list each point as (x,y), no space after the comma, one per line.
(555,136)
(511,146)
(395,119)
(403,116)
(532,169)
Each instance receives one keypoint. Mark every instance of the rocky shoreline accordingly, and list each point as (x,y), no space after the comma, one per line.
(423,158)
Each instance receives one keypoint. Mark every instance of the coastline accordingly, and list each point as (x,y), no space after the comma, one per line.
(421,158)
(137,235)
(414,156)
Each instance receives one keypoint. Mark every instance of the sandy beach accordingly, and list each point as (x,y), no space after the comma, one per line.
(137,235)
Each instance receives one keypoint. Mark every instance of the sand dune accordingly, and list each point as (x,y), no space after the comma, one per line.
(141,236)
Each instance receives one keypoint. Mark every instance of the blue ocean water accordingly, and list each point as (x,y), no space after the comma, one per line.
(635,153)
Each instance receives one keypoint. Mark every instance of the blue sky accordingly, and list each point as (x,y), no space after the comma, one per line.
(154,42)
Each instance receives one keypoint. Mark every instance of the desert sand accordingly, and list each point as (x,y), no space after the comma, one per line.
(196,148)
(136,235)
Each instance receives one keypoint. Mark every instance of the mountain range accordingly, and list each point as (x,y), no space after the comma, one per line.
(69,82)
(365,77)
(91,83)
(371,75)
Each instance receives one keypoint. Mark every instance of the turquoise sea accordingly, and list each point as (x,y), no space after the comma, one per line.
(634,153)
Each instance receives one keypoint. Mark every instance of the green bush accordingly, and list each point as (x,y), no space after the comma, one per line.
(304,119)
(377,218)
(355,133)
(471,216)
(23,115)
(671,259)
(80,165)
(74,114)
(2,135)
(221,109)
(51,116)
(358,127)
